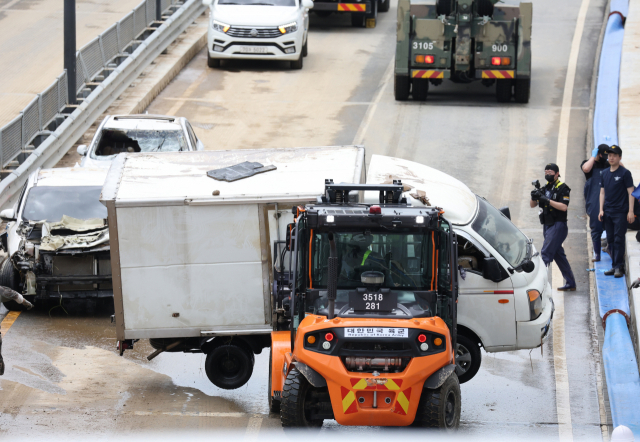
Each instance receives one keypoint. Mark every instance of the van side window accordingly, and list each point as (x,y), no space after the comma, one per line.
(192,137)
(469,257)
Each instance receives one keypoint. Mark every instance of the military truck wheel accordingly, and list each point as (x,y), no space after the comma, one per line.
(384,6)
(440,408)
(8,278)
(401,87)
(358,20)
(444,7)
(295,410)
(503,90)
(297,64)
(213,62)
(229,366)
(485,7)
(420,89)
(274,404)
(468,358)
(522,90)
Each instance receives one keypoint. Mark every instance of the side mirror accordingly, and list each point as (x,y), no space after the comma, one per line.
(8,215)
(207,2)
(505,211)
(307,4)
(82,150)
(528,266)
(491,269)
(290,228)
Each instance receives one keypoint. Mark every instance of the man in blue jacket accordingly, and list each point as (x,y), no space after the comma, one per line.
(591,169)
(616,208)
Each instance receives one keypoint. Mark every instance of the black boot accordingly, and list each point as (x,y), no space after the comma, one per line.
(619,273)
(610,272)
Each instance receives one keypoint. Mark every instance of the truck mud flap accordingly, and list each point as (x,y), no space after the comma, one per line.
(437,379)
(430,73)
(312,376)
(496,74)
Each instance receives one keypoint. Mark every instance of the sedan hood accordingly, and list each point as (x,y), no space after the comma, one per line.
(255,15)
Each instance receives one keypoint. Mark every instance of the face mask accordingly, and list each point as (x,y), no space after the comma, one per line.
(550,178)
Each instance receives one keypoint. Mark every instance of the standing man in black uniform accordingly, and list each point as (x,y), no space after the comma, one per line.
(553,200)
(591,169)
(616,208)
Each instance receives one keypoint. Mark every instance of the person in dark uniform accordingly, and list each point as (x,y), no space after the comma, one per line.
(7,295)
(616,208)
(591,169)
(553,200)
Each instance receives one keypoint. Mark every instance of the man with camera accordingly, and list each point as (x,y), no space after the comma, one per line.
(591,169)
(553,200)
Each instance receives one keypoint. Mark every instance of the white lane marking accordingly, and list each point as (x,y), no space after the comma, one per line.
(567,98)
(563,398)
(368,116)
(253,428)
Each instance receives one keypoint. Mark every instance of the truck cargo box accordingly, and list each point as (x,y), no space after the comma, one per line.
(191,255)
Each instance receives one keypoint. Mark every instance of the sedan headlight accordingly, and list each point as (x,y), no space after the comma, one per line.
(288,28)
(535,304)
(219,26)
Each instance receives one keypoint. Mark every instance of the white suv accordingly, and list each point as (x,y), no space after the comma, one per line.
(258,29)
(138,133)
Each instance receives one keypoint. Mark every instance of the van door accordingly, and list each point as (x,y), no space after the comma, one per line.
(484,306)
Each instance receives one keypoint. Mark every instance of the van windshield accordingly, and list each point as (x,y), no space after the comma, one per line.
(50,203)
(500,232)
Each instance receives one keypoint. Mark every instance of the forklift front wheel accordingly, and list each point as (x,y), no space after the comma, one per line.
(295,410)
(229,366)
(440,408)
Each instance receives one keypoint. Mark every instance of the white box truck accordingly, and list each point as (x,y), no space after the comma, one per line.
(194,258)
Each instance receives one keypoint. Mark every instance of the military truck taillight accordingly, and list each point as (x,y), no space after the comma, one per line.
(500,61)
(426,59)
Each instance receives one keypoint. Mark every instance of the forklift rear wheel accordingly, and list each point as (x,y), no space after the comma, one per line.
(401,86)
(468,358)
(229,366)
(522,90)
(358,20)
(295,408)
(213,62)
(444,7)
(440,408)
(8,278)
(274,404)
(420,89)
(384,6)
(503,90)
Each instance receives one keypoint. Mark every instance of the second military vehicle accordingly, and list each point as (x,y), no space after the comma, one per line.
(464,41)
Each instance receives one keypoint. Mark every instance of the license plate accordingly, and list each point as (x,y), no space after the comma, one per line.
(375,332)
(373,302)
(253,49)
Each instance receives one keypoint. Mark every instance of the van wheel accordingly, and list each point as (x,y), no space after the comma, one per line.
(468,358)
(229,366)
(440,408)
(274,405)
(8,278)
(297,64)
(305,50)
(295,410)
(213,62)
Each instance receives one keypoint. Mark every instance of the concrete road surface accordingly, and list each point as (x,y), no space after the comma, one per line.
(31,44)
(64,375)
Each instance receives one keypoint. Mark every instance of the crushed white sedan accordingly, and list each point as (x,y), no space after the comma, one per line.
(138,133)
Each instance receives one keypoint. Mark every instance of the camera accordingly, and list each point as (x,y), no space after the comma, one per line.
(536,193)
(536,184)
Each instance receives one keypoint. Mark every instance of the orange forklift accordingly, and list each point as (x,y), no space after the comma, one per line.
(364,313)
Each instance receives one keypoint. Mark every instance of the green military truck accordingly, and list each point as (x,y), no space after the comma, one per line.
(464,40)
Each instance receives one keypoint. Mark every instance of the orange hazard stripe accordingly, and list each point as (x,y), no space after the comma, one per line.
(352,7)
(498,74)
(427,74)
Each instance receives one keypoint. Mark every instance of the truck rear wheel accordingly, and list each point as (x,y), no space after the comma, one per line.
(420,88)
(384,6)
(522,90)
(440,408)
(503,90)
(401,87)
(468,358)
(229,366)
(274,404)
(8,278)
(295,411)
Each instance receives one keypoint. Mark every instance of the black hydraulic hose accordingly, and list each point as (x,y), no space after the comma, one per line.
(332,282)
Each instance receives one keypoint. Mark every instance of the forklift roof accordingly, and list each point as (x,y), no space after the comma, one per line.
(441,190)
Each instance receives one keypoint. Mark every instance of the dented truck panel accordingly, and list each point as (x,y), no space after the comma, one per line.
(464,45)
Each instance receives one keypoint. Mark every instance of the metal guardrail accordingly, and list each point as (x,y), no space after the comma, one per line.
(97,58)
(67,127)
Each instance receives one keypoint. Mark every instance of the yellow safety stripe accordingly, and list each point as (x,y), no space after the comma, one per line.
(403,401)
(391,385)
(348,400)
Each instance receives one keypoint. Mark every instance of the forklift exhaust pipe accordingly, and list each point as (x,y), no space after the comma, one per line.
(332,282)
